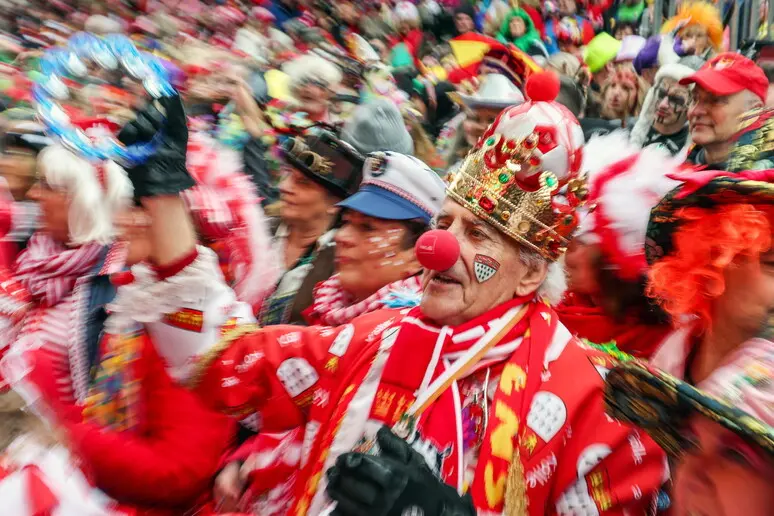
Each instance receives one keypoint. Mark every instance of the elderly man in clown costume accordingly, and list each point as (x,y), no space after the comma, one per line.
(476,402)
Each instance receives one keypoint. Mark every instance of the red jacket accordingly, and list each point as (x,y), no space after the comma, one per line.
(169,460)
(292,375)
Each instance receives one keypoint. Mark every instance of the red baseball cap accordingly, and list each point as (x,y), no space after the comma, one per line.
(729,73)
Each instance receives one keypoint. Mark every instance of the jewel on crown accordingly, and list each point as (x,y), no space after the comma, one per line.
(523,174)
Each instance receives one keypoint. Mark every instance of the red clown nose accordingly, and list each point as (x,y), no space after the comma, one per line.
(437,250)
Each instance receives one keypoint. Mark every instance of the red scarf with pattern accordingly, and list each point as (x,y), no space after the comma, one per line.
(423,352)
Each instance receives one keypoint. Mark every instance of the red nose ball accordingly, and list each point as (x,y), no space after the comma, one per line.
(437,250)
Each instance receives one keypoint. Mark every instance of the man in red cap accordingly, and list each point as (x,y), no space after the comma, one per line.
(725,87)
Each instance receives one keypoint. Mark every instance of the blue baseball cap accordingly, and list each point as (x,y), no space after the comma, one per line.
(397,187)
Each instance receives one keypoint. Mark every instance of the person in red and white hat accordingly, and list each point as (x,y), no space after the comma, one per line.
(606,268)
(725,88)
(479,390)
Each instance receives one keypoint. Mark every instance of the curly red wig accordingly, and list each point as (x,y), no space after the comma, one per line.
(689,280)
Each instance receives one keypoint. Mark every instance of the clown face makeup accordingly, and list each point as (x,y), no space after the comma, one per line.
(671,104)
(371,253)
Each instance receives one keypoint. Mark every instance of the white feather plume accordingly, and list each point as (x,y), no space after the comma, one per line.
(628,197)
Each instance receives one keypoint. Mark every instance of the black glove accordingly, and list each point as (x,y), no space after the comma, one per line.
(164,173)
(392,483)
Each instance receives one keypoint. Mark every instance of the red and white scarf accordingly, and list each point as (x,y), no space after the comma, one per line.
(333,306)
(49,270)
(414,363)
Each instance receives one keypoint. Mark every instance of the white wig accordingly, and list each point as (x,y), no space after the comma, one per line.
(641,128)
(92,205)
(312,67)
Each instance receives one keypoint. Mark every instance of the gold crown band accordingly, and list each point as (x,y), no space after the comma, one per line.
(488,184)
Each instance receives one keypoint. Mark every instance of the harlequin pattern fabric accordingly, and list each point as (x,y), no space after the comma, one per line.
(703,189)
(661,404)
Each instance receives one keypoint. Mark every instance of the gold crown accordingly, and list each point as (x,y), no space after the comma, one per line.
(502,182)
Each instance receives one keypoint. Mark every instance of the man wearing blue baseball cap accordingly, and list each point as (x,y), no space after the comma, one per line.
(375,261)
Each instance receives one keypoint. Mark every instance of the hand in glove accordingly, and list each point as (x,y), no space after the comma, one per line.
(164,173)
(391,483)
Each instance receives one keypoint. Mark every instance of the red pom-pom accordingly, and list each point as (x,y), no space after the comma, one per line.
(437,250)
(542,87)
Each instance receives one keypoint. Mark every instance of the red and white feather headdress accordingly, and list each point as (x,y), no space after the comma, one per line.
(625,183)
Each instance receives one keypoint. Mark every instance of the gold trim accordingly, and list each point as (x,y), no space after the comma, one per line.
(516,499)
(216,351)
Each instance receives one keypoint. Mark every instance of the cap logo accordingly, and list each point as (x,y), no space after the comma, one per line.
(723,63)
(376,164)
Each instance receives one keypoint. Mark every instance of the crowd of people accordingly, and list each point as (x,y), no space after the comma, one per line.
(440,258)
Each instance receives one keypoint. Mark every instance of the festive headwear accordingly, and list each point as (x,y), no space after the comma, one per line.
(311,68)
(630,48)
(600,51)
(677,71)
(406,11)
(647,57)
(509,61)
(513,174)
(729,73)
(377,126)
(697,13)
(568,30)
(624,183)
(397,187)
(738,395)
(495,91)
(330,162)
(97,192)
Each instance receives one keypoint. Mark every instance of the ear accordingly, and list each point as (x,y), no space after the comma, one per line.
(532,278)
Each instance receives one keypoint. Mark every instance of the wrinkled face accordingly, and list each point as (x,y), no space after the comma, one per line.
(517,27)
(464,23)
(18,170)
(620,97)
(567,7)
(133,227)
(580,263)
(672,102)
(477,121)
(694,39)
(713,119)
(722,475)
(372,253)
(302,200)
(455,296)
(54,210)
(748,300)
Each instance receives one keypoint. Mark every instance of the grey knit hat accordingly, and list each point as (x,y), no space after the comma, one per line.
(377,126)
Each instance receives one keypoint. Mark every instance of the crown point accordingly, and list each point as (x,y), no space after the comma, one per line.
(542,87)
